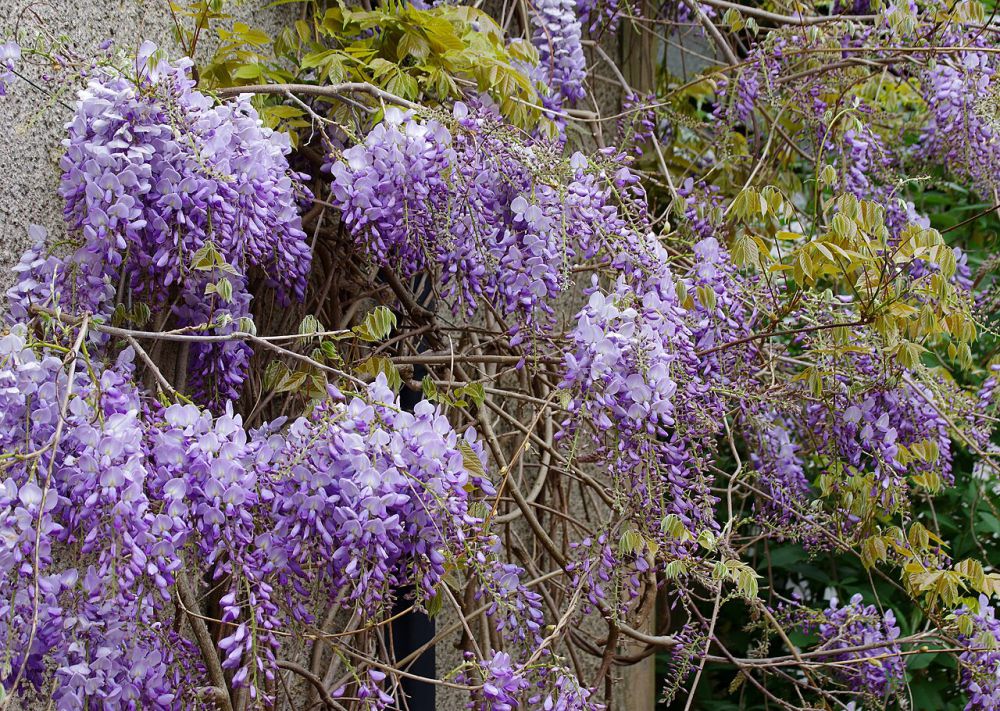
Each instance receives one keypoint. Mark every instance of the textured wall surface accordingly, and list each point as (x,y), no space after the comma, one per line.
(32,123)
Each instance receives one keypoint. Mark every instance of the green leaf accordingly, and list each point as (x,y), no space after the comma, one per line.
(744,251)
(249,71)
(316,59)
(377,325)
(223,287)
(435,604)
(310,325)
(630,542)
(844,227)
(274,371)
(140,314)
(403,85)
(330,352)
(429,388)
(283,112)
(245,324)
(440,33)
(471,460)
(380,365)
(413,44)
(291,381)
(474,391)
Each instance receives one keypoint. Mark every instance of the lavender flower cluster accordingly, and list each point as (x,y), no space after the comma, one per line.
(360,498)
(375,497)
(777,457)
(10,54)
(877,671)
(43,280)
(77,478)
(960,134)
(153,173)
(391,188)
(633,377)
(865,434)
(980,663)
(506,686)
(468,201)
(153,170)
(557,31)
(113,502)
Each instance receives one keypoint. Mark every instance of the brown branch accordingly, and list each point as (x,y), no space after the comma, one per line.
(316,682)
(333,91)
(189,603)
(769,334)
(803,20)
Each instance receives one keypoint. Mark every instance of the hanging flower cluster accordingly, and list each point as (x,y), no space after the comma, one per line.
(557,33)
(960,133)
(981,663)
(77,475)
(361,496)
(153,175)
(778,460)
(392,188)
(865,435)
(375,497)
(713,367)
(153,171)
(472,202)
(10,54)
(877,671)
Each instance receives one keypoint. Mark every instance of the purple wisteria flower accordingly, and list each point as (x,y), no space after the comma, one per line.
(155,174)
(980,664)
(960,134)
(782,475)
(10,55)
(556,33)
(510,237)
(864,433)
(43,280)
(630,348)
(375,496)
(502,684)
(876,672)
(153,171)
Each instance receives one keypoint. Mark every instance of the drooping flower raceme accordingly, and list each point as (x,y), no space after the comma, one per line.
(876,672)
(376,496)
(865,433)
(81,484)
(153,171)
(557,34)
(782,476)
(959,133)
(217,369)
(980,664)
(46,281)
(392,187)
(10,54)
(468,202)
(154,174)
(630,347)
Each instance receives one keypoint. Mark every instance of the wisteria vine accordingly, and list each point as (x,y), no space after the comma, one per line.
(665,375)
